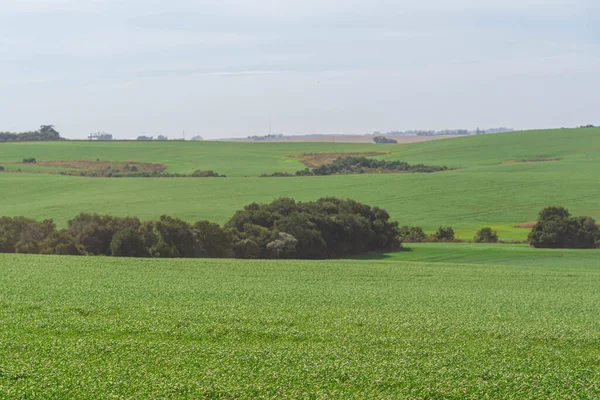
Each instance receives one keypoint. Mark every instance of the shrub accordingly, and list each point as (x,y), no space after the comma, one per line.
(23,235)
(556,228)
(1,168)
(128,243)
(216,241)
(411,234)
(444,234)
(327,228)
(60,243)
(486,235)
(29,161)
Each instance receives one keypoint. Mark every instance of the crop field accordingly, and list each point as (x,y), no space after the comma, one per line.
(492,254)
(501,180)
(74,327)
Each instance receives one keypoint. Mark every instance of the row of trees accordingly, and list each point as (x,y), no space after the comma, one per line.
(555,228)
(327,228)
(361,165)
(45,133)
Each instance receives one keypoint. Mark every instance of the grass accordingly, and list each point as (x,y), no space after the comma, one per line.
(484,192)
(492,254)
(75,327)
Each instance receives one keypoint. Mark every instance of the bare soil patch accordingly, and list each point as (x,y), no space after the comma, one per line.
(532,160)
(99,168)
(526,225)
(314,160)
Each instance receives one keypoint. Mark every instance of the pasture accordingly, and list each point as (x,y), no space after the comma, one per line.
(74,327)
(501,180)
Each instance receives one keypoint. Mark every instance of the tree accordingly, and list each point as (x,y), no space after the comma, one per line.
(556,228)
(486,235)
(59,243)
(284,246)
(128,243)
(444,234)
(411,234)
(217,242)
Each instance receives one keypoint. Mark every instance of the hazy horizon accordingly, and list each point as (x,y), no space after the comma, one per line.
(234,68)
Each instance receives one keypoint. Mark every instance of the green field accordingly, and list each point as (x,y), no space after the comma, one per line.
(78,327)
(483,191)
(492,254)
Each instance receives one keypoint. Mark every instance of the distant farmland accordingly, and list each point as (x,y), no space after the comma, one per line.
(495,181)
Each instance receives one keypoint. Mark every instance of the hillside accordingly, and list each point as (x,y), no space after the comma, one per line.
(502,179)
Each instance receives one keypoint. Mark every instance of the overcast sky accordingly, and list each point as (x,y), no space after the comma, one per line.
(234,67)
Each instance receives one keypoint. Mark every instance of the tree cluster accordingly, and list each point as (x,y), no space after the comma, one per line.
(384,140)
(327,228)
(45,133)
(360,165)
(557,228)
(415,234)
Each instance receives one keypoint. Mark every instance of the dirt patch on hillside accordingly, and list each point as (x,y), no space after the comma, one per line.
(97,168)
(526,225)
(315,160)
(532,160)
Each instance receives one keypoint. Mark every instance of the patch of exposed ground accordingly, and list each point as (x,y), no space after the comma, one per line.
(95,168)
(532,160)
(314,160)
(526,225)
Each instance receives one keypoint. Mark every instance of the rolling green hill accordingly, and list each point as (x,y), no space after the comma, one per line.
(493,186)
(73,327)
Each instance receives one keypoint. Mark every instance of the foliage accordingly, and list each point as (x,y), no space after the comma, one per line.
(384,140)
(327,228)
(45,133)
(127,242)
(206,174)
(360,165)
(29,161)
(486,235)
(411,234)
(556,228)
(444,234)
(23,235)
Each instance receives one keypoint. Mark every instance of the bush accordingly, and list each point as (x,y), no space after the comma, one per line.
(216,241)
(327,228)
(444,234)
(1,168)
(59,243)
(556,228)
(486,235)
(411,234)
(23,235)
(128,243)
(29,161)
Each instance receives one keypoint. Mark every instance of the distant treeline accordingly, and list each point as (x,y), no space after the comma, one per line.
(45,133)
(361,165)
(327,228)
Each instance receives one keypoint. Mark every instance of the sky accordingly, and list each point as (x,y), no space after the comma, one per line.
(233,68)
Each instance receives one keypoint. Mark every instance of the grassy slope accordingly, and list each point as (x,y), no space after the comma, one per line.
(492,254)
(80,327)
(484,192)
